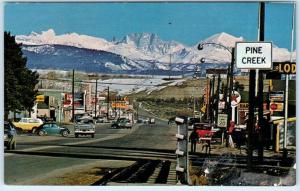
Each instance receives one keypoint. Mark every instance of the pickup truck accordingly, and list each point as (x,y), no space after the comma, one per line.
(28,124)
(84,126)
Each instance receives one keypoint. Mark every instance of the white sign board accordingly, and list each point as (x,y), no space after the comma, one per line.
(222,120)
(253,55)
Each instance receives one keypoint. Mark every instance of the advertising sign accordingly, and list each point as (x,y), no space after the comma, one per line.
(119,104)
(78,100)
(254,55)
(276,106)
(235,99)
(276,96)
(284,67)
(40,98)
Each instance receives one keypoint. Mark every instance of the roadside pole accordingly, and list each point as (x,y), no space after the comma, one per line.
(107,107)
(96,98)
(261,87)
(287,82)
(218,95)
(73,109)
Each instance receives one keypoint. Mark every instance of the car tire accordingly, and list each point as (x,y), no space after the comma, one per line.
(92,135)
(33,131)
(41,133)
(64,133)
(14,145)
(76,135)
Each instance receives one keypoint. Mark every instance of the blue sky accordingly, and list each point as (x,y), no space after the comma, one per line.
(187,23)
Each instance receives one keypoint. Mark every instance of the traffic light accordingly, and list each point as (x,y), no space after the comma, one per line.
(182,150)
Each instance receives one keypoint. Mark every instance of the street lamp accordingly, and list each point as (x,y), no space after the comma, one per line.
(229,74)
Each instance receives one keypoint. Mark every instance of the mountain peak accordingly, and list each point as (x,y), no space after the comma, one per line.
(224,39)
(140,38)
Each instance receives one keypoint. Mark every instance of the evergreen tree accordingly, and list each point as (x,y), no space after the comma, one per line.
(19,81)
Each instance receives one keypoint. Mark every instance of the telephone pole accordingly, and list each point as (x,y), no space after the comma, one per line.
(96,98)
(73,95)
(107,107)
(260,96)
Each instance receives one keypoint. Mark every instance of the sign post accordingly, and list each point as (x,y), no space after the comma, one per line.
(255,55)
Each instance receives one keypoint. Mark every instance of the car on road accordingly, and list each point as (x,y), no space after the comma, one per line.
(28,124)
(9,136)
(143,120)
(85,126)
(52,129)
(101,119)
(122,123)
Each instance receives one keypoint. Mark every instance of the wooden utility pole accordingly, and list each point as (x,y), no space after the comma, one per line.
(107,107)
(73,95)
(96,98)
(260,96)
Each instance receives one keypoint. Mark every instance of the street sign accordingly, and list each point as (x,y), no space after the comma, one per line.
(254,55)
(222,120)
(203,109)
(276,96)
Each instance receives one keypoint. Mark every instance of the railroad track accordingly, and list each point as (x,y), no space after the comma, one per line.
(145,172)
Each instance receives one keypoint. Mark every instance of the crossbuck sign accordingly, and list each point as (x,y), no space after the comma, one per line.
(254,55)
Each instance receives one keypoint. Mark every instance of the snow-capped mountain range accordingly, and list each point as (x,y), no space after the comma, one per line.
(138,51)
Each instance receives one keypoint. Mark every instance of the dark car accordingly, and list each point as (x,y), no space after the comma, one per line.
(9,136)
(52,129)
(122,123)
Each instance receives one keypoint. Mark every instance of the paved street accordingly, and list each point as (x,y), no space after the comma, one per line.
(52,155)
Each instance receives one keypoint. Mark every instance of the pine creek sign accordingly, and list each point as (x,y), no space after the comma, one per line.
(253,55)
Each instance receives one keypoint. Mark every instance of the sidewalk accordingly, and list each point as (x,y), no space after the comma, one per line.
(218,149)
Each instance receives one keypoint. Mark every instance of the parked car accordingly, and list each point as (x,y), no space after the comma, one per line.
(206,130)
(52,129)
(28,124)
(9,136)
(122,123)
(85,126)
